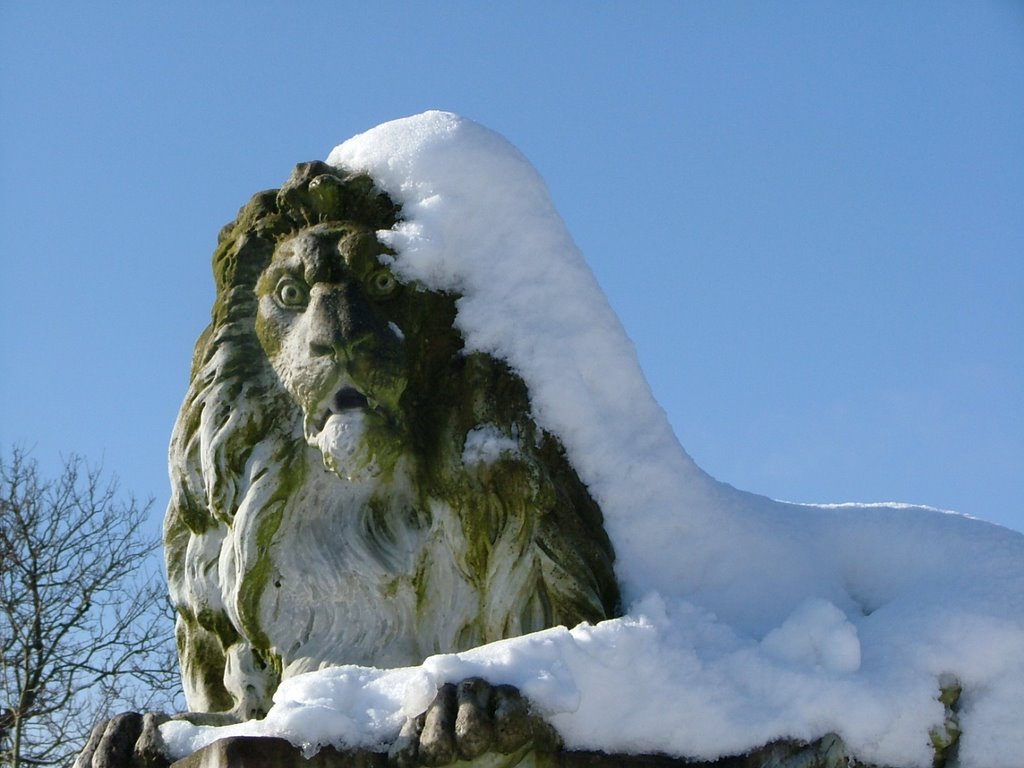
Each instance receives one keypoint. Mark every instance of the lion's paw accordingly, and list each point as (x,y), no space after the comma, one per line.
(128,740)
(468,720)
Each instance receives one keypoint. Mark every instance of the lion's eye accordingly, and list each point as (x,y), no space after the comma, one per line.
(291,294)
(381,284)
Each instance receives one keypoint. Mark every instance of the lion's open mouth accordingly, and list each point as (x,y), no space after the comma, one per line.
(339,433)
(345,400)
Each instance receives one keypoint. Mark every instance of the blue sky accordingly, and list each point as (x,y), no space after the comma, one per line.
(809,216)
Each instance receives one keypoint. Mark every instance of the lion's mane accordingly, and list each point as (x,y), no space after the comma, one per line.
(278,566)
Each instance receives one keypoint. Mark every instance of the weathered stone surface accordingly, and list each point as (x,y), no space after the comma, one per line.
(381,494)
(150,750)
(469,721)
(112,744)
(384,495)
(244,752)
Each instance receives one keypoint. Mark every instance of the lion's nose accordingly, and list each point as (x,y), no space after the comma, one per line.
(328,331)
(320,349)
(335,323)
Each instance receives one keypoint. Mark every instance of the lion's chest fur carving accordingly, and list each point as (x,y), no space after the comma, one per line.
(350,486)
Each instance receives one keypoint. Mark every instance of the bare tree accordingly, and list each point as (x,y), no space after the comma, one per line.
(83,625)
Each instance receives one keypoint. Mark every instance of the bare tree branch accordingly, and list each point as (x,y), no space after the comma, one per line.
(84,626)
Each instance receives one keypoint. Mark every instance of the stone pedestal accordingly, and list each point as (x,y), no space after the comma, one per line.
(250,752)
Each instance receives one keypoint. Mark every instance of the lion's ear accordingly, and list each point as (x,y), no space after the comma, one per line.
(245,246)
(261,206)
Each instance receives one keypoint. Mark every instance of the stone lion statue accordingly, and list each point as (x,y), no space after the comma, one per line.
(349,486)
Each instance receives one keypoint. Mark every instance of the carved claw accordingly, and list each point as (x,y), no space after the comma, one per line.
(437,739)
(467,720)
(128,740)
(474,722)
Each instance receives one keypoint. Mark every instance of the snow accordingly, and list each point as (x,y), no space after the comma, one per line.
(486,444)
(749,619)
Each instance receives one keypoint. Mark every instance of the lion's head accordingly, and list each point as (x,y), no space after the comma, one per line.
(349,485)
(327,320)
